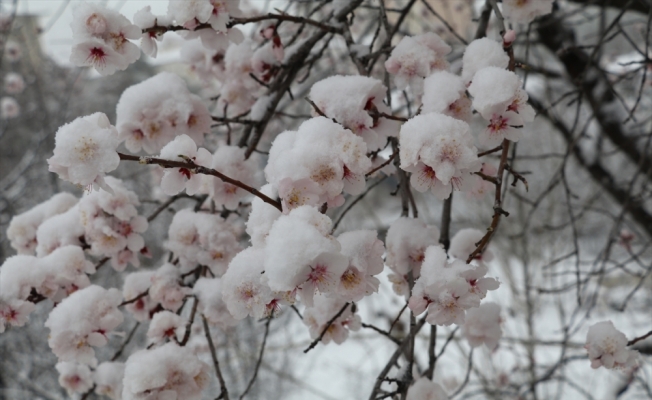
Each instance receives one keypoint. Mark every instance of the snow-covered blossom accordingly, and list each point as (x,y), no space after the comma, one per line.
(202,238)
(153,112)
(101,39)
(13,51)
(166,325)
(365,253)
(54,276)
(262,217)
(607,347)
(112,225)
(415,58)
(85,149)
(323,152)
(183,148)
(9,108)
(166,372)
(14,83)
(425,389)
(74,377)
(498,97)
(210,293)
(244,291)
(525,11)
(230,161)
(166,287)
(144,19)
(438,150)
(356,102)
(59,230)
(481,53)
(14,312)
(216,13)
(301,250)
(83,319)
(135,285)
(323,310)
(482,325)
(464,243)
(445,93)
(406,241)
(108,379)
(448,289)
(22,228)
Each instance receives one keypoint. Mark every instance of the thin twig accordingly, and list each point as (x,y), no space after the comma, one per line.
(224,394)
(186,335)
(382,332)
(189,165)
(638,339)
(260,357)
(328,325)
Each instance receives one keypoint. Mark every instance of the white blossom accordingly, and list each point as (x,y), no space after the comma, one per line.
(607,347)
(85,149)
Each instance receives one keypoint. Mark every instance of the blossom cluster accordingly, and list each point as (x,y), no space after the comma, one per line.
(101,39)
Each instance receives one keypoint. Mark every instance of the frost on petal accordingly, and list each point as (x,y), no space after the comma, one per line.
(444,93)
(407,240)
(85,150)
(166,325)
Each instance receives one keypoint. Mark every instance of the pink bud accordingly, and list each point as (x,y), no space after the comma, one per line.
(509,38)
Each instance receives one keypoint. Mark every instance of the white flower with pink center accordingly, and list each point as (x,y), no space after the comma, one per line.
(322,275)
(183,149)
(322,311)
(74,377)
(85,150)
(439,152)
(14,312)
(607,347)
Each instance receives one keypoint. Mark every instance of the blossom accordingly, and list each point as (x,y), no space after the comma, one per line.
(183,148)
(406,241)
(244,291)
(210,293)
(439,152)
(425,389)
(9,108)
(85,150)
(75,378)
(101,39)
(108,379)
(481,53)
(607,347)
(482,325)
(165,372)
(355,102)
(14,312)
(14,83)
(414,58)
(153,112)
(83,319)
(322,312)
(525,11)
(22,227)
(166,325)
